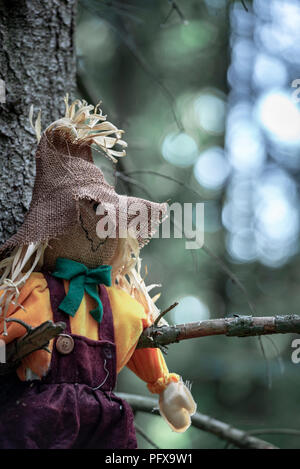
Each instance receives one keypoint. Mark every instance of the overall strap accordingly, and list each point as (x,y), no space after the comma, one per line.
(57,294)
(106,327)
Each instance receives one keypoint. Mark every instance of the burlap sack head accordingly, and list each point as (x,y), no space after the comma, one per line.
(68,188)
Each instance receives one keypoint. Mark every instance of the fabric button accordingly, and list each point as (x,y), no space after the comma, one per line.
(64,344)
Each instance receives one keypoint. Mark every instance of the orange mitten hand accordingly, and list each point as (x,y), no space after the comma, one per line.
(176,405)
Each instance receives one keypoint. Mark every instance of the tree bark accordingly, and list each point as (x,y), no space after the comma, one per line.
(239,326)
(37,65)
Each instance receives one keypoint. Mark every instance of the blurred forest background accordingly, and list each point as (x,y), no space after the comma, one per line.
(203,92)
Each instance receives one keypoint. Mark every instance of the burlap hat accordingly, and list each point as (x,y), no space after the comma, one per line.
(66,174)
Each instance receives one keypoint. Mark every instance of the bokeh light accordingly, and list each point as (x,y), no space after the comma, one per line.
(210,111)
(269,71)
(179,149)
(212,169)
(101,44)
(260,211)
(279,116)
(190,309)
(245,145)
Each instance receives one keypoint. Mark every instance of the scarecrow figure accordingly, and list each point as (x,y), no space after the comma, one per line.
(76,259)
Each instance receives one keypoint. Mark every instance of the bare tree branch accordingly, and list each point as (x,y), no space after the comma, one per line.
(244,5)
(158,336)
(139,430)
(240,326)
(237,437)
(174,7)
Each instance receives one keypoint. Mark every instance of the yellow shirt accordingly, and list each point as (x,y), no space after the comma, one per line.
(129,320)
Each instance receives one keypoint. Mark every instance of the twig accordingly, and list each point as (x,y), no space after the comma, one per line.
(163,313)
(241,326)
(279,358)
(174,7)
(239,438)
(268,371)
(244,5)
(233,277)
(145,436)
(123,9)
(123,176)
(170,178)
(274,431)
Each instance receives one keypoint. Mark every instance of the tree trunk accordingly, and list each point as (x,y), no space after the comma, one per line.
(37,65)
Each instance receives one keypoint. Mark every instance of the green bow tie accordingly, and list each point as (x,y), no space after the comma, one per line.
(82,280)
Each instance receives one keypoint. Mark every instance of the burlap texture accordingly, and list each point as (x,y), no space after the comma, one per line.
(81,243)
(65,176)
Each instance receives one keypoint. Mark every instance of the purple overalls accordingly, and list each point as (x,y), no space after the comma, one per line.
(73,406)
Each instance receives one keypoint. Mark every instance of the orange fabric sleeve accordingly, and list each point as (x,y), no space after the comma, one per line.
(129,321)
(35,299)
(149,365)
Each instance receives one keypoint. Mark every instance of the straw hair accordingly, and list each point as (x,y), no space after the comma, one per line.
(14,271)
(126,273)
